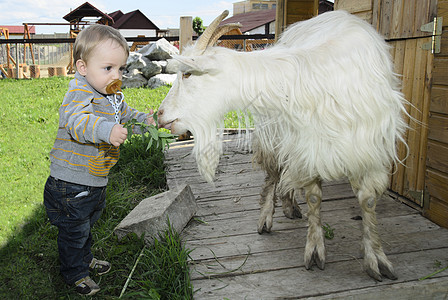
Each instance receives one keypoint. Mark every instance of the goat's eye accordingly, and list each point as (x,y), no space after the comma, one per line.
(186,75)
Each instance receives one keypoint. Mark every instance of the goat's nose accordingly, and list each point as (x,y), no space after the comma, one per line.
(160,112)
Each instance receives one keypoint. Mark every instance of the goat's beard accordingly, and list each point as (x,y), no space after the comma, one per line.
(207,150)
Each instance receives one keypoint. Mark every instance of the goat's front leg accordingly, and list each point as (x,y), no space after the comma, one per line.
(267,203)
(375,261)
(315,247)
(290,207)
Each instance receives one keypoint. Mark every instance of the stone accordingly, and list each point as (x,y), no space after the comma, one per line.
(151,69)
(159,50)
(161,80)
(162,64)
(133,56)
(150,216)
(134,79)
(138,63)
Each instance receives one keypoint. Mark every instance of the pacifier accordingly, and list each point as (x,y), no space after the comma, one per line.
(114,87)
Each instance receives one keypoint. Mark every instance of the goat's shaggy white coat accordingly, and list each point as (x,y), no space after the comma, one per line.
(326,105)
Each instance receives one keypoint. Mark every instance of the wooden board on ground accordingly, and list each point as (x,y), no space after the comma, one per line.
(229,259)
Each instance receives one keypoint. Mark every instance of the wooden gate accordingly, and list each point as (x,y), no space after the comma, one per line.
(413,29)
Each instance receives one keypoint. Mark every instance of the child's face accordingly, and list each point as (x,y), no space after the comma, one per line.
(106,63)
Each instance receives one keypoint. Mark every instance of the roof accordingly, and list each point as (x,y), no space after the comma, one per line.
(132,20)
(253,19)
(116,15)
(19,29)
(86,10)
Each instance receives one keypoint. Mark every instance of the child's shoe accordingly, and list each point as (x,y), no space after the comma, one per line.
(86,286)
(99,266)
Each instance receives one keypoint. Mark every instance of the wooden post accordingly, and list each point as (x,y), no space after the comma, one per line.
(17,61)
(186,32)
(280,18)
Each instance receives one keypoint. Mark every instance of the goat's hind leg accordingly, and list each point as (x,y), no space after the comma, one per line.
(375,261)
(315,247)
(267,203)
(290,207)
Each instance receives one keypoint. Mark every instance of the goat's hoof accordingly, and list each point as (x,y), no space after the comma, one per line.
(374,274)
(265,223)
(387,271)
(315,259)
(292,213)
(383,271)
(263,228)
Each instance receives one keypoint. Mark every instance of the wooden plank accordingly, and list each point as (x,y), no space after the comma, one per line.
(437,212)
(413,160)
(397,179)
(300,10)
(440,71)
(408,18)
(236,238)
(438,128)
(385,18)
(442,11)
(431,289)
(439,99)
(437,156)
(353,6)
(437,183)
(280,18)
(245,222)
(426,98)
(341,250)
(422,17)
(297,282)
(396,26)
(444,44)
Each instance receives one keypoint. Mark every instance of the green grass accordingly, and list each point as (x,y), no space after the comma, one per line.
(28,251)
(28,124)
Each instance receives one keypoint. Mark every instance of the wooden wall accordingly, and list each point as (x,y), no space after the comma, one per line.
(360,8)
(291,11)
(424,179)
(436,208)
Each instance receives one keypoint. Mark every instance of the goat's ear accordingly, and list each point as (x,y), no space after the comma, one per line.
(195,65)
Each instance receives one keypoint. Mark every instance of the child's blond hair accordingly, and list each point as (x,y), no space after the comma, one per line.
(91,36)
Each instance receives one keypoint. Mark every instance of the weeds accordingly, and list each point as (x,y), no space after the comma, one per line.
(329,232)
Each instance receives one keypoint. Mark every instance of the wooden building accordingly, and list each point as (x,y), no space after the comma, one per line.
(255,22)
(417,30)
(134,23)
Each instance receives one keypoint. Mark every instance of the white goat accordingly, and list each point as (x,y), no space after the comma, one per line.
(326,105)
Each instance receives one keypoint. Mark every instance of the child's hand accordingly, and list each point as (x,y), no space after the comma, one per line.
(118,135)
(150,119)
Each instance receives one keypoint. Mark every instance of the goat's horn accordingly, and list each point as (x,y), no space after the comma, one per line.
(221,31)
(204,39)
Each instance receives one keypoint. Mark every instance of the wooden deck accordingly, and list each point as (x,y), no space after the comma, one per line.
(230,260)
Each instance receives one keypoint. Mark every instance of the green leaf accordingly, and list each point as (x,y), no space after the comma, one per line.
(154,132)
(163,134)
(149,144)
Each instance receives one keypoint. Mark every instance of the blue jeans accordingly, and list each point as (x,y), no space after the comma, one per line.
(73,208)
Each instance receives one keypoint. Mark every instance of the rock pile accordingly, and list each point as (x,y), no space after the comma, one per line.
(148,66)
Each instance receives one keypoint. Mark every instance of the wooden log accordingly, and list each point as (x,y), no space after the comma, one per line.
(35,71)
(61,71)
(51,71)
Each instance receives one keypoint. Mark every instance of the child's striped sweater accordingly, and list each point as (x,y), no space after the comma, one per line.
(82,153)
